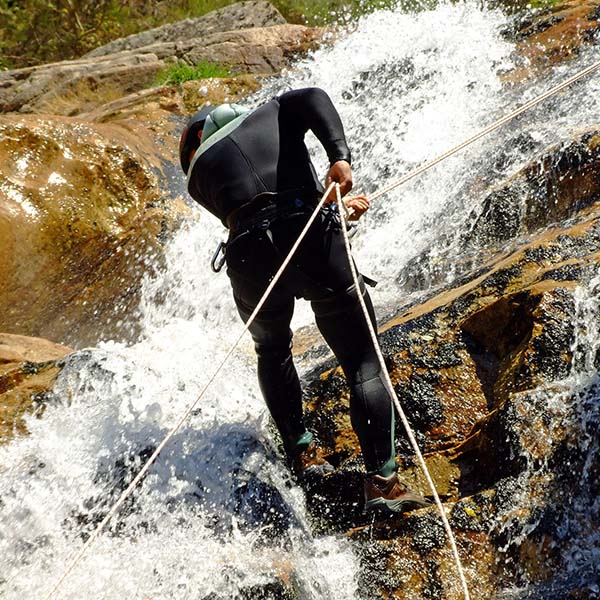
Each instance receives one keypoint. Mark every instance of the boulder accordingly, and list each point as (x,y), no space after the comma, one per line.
(551,188)
(85,210)
(76,86)
(553,34)
(28,369)
(241,15)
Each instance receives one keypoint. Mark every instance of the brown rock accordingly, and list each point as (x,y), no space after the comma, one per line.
(55,88)
(215,91)
(28,369)
(82,217)
(554,34)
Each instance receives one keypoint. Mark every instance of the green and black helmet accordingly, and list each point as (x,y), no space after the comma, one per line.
(189,137)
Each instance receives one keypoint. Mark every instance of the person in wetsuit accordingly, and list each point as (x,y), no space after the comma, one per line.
(252,170)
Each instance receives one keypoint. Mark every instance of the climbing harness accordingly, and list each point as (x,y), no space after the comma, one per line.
(127,492)
(390,390)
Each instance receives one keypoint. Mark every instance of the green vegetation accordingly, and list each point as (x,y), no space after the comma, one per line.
(41,31)
(542,3)
(33,31)
(179,72)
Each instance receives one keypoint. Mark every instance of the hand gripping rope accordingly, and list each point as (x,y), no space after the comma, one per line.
(424,167)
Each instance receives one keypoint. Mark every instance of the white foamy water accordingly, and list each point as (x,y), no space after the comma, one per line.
(218,513)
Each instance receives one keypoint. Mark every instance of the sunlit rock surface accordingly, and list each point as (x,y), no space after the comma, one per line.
(28,369)
(84,213)
(555,33)
(241,15)
(75,86)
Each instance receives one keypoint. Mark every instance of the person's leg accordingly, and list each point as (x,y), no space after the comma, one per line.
(322,258)
(342,323)
(277,376)
(280,385)
(252,261)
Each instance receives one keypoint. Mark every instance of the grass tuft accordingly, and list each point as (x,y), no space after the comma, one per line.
(180,72)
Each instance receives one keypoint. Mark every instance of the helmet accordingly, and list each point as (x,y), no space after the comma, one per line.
(221,116)
(189,137)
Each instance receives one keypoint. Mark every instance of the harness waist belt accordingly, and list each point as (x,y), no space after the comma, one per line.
(268,206)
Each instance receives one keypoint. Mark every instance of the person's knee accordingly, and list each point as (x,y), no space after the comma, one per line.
(339,302)
(269,349)
(367,383)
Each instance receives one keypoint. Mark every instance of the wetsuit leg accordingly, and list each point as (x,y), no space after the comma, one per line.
(272,336)
(342,323)
(322,258)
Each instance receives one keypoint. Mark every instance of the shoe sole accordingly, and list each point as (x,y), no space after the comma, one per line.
(398,506)
(316,471)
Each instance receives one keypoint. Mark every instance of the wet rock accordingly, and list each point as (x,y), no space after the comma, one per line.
(483,371)
(83,217)
(552,34)
(556,186)
(28,369)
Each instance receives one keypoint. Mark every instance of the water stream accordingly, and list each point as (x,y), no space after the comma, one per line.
(218,516)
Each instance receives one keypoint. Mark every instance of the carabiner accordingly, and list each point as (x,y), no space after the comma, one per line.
(216,263)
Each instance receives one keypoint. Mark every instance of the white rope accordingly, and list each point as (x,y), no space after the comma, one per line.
(390,389)
(190,408)
(485,131)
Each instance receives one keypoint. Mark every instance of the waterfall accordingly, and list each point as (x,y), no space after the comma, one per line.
(218,516)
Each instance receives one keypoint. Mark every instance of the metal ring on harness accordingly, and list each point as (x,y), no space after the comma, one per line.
(216,263)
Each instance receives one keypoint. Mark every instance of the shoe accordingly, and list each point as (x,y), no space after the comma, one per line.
(310,462)
(389,495)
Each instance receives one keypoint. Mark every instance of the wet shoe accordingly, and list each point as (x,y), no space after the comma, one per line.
(389,495)
(310,462)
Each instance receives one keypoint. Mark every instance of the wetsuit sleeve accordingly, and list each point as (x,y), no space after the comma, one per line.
(311,108)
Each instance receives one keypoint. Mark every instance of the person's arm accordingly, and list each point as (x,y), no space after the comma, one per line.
(311,108)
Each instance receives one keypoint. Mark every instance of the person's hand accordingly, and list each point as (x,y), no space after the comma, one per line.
(356,206)
(339,172)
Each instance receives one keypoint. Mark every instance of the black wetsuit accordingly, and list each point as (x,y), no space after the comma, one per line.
(266,157)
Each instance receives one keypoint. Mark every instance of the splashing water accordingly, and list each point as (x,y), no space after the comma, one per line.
(218,516)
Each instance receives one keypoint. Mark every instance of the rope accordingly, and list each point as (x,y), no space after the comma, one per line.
(191,407)
(96,533)
(424,167)
(390,389)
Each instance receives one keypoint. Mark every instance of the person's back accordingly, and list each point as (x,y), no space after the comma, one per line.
(264,151)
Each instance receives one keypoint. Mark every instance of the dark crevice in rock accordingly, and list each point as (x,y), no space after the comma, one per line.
(492,336)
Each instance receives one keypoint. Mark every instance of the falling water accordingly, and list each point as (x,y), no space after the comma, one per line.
(218,516)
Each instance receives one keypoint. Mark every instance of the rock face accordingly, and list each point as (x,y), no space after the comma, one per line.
(83,204)
(474,369)
(554,34)
(231,36)
(242,15)
(28,368)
